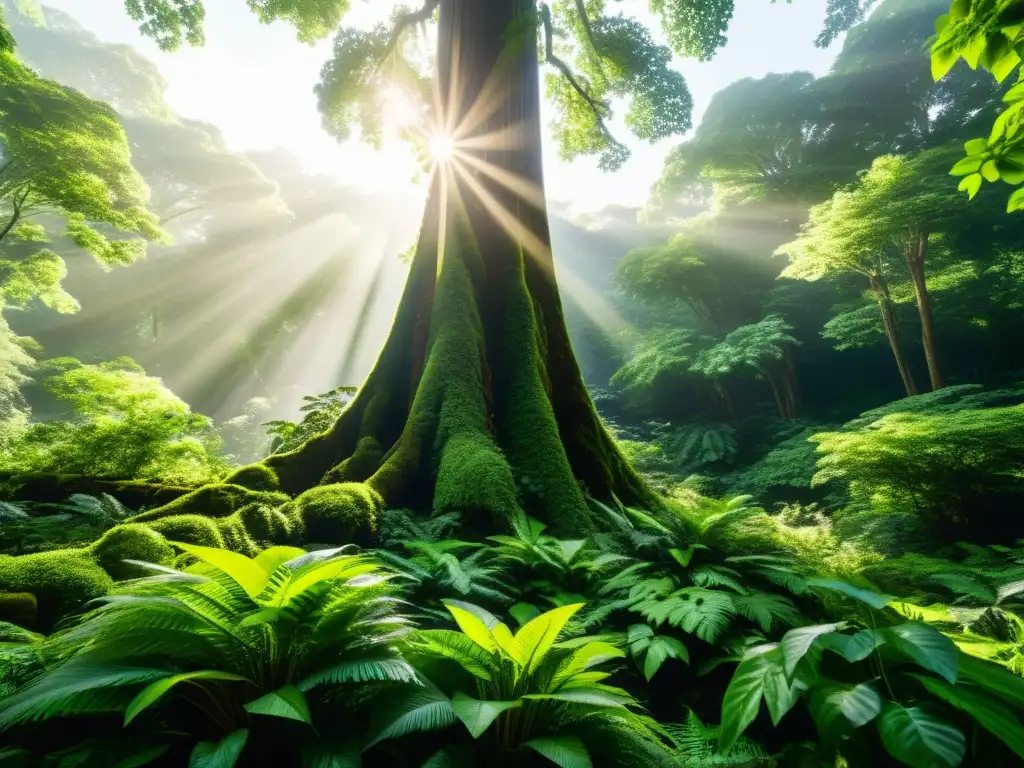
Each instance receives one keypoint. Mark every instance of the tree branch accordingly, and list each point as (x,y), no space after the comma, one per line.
(179,214)
(599,108)
(405,21)
(581,10)
(15,216)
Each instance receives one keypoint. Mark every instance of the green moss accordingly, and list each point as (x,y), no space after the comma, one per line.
(339,514)
(219,500)
(19,608)
(190,529)
(235,536)
(131,541)
(360,465)
(62,581)
(526,421)
(258,477)
(264,524)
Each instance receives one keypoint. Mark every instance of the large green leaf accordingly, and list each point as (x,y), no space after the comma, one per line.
(273,558)
(478,715)
(223,754)
(287,701)
(152,692)
(928,647)
(855,647)
(564,751)
(866,596)
(993,678)
(797,642)
(990,713)
(473,627)
(780,691)
(534,640)
(743,697)
(838,708)
(245,572)
(918,738)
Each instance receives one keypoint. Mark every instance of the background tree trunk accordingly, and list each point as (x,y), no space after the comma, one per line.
(892,333)
(915,252)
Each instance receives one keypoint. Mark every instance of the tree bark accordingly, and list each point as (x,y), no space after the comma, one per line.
(892,333)
(476,403)
(915,251)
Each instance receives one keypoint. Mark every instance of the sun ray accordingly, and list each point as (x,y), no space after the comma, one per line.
(518,185)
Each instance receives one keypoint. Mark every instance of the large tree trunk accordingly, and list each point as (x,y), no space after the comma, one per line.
(476,403)
(892,333)
(915,252)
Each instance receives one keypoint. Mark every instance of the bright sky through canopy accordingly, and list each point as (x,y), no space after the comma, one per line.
(256,83)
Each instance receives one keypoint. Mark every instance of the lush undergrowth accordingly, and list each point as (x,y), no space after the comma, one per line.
(651,642)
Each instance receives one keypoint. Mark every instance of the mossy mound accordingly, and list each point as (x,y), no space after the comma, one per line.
(131,541)
(265,524)
(340,513)
(43,487)
(258,477)
(19,608)
(190,529)
(62,581)
(219,500)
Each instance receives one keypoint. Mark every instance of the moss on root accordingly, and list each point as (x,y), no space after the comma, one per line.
(341,513)
(258,477)
(131,541)
(360,465)
(62,581)
(217,500)
(56,488)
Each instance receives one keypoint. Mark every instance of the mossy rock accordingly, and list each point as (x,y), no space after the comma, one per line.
(340,513)
(131,541)
(258,477)
(62,581)
(190,529)
(19,608)
(264,524)
(218,500)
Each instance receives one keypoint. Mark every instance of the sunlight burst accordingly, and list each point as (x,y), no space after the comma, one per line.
(442,147)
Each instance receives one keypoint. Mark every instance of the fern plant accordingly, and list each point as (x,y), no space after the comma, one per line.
(525,698)
(224,650)
(692,584)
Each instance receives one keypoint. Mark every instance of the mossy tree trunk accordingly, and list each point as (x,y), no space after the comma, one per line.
(476,402)
(914,251)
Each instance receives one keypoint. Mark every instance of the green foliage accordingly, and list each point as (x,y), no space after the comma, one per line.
(321,411)
(986,35)
(956,468)
(125,425)
(260,638)
(913,658)
(754,347)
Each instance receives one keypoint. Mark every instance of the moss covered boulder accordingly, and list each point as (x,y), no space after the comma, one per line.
(190,529)
(340,513)
(132,541)
(62,581)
